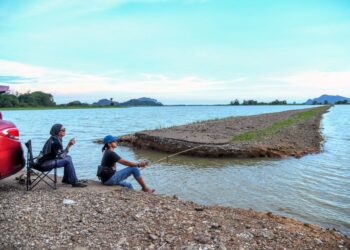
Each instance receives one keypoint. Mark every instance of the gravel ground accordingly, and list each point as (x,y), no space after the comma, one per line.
(215,137)
(116,218)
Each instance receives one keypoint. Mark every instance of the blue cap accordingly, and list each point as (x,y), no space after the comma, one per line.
(109,139)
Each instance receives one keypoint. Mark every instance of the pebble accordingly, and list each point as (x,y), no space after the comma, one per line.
(318,241)
(202,239)
(199,209)
(45,223)
(215,226)
(153,237)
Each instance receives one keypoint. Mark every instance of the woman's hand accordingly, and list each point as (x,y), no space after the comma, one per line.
(143,164)
(71,142)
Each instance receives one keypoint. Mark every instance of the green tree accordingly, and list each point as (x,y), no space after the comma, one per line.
(235,102)
(250,102)
(74,103)
(277,102)
(342,102)
(36,98)
(8,101)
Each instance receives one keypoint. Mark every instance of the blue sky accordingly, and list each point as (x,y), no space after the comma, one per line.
(177,51)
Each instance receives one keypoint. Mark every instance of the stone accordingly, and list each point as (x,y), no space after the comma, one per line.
(153,237)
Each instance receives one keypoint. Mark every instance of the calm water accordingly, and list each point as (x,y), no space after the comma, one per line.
(315,188)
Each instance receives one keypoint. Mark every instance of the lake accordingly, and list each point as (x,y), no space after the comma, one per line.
(314,189)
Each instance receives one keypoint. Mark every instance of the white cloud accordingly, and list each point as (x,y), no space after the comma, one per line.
(66,83)
(317,79)
(19,69)
(310,84)
(50,80)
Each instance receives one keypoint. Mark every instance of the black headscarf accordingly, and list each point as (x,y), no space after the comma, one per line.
(55,129)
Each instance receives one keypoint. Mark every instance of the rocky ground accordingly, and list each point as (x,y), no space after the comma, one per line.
(116,218)
(214,138)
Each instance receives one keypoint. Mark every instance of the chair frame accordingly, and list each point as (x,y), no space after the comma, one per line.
(32,167)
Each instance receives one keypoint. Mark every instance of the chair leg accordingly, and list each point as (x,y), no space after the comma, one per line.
(27,182)
(28,178)
(55,177)
(42,177)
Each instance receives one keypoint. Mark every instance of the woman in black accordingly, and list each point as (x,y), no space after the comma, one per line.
(53,155)
(109,175)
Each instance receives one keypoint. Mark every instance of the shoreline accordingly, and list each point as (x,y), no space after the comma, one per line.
(174,105)
(58,108)
(114,217)
(272,135)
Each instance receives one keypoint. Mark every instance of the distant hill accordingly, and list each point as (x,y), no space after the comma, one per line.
(331,99)
(105,102)
(143,101)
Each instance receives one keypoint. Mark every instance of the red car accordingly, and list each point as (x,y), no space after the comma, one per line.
(11,152)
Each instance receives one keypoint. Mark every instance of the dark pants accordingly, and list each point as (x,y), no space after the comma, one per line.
(69,175)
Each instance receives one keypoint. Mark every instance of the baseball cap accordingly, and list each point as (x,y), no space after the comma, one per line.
(109,138)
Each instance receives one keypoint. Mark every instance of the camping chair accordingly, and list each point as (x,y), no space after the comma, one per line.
(41,174)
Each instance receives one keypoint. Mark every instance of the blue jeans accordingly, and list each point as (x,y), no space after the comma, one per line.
(119,176)
(69,175)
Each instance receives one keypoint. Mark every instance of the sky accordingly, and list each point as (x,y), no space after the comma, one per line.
(176,51)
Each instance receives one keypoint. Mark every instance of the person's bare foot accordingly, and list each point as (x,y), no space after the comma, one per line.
(148,190)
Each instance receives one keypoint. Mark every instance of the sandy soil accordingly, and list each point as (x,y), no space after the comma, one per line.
(116,218)
(215,137)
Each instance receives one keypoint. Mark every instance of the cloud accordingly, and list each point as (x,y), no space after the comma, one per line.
(15,80)
(316,79)
(67,83)
(313,83)
(50,80)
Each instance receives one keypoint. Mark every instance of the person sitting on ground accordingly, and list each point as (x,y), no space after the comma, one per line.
(53,155)
(109,175)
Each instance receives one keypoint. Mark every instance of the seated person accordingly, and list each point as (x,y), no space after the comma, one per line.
(53,155)
(109,175)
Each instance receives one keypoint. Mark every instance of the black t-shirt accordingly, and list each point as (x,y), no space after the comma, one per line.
(108,164)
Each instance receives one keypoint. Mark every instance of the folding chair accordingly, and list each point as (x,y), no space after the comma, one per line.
(42,174)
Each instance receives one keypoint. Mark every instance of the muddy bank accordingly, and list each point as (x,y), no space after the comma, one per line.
(116,218)
(289,133)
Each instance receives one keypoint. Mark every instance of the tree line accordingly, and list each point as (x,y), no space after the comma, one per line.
(41,99)
(326,102)
(34,99)
(254,102)
(342,102)
(277,102)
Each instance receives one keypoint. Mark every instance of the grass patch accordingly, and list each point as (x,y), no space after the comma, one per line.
(277,126)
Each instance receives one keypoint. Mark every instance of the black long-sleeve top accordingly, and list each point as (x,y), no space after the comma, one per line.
(56,150)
